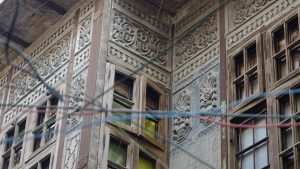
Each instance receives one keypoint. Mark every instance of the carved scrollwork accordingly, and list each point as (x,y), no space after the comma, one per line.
(208,92)
(244,9)
(138,39)
(182,123)
(77,91)
(84,36)
(193,44)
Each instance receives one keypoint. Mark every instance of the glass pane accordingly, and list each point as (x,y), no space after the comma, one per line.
(297,99)
(287,138)
(261,156)
(9,138)
(240,91)
(296,57)
(239,65)
(49,132)
(251,55)
(21,130)
(146,162)
(122,117)
(279,40)
(37,140)
(284,105)
(288,161)
(41,116)
(281,67)
(261,132)
(45,164)
(293,29)
(253,84)
(151,127)
(117,152)
(53,106)
(123,88)
(247,138)
(152,99)
(6,162)
(248,160)
(17,157)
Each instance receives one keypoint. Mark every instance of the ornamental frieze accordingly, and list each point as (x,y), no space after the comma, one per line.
(138,39)
(192,45)
(182,123)
(45,65)
(245,9)
(84,35)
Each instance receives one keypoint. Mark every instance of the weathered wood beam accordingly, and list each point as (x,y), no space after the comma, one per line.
(53,6)
(14,38)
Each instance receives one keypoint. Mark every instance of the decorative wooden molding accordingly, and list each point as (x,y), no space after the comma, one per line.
(138,39)
(196,42)
(273,11)
(131,61)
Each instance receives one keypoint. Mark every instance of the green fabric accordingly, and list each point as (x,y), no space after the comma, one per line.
(117,153)
(151,128)
(146,163)
(122,117)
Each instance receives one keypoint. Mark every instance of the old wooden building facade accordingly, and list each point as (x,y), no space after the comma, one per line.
(151,84)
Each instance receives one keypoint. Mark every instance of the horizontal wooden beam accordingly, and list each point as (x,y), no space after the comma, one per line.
(14,38)
(53,6)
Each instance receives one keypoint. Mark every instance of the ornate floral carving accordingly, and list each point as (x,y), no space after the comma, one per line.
(77,91)
(192,45)
(254,24)
(51,61)
(195,65)
(208,92)
(130,60)
(147,18)
(84,36)
(72,147)
(182,123)
(244,9)
(138,39)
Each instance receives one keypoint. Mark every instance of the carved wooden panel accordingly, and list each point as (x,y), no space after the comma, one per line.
(182,123)
(192,45)
(196,67)
(259,16)
(84,33)
(126,7)
(134,63)
(46,65)
(139,39)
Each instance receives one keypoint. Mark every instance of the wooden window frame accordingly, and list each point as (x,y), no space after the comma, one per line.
(247,72)
(16,143)
(38,165)
(234,136)
(109,96)
(163,122)
(282,150)
(287,50)
(47,120)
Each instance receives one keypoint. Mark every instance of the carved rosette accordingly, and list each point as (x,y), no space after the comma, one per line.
(182,123)
(245,9)
(138,39)
(192,45)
